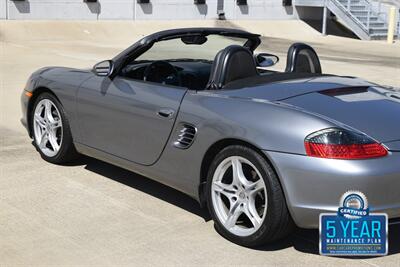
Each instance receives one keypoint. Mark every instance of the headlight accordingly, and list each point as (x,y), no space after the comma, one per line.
(336,143)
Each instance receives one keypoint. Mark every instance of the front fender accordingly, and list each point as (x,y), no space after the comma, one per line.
(63,83)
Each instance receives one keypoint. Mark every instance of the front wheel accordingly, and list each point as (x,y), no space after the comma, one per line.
(245,198)
(51,132)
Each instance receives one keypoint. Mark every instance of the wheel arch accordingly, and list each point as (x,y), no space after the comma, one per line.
(212,152)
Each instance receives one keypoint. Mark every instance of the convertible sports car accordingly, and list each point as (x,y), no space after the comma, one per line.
(198,110)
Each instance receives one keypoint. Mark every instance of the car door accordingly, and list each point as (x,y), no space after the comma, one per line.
(127,118)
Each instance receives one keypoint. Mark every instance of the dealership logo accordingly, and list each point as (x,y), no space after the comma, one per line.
(353,230)
(354,205)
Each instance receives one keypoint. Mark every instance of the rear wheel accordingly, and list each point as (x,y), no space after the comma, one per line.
(245,198)
(51,132)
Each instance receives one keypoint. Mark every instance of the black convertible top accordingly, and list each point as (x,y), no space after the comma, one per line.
(176,33)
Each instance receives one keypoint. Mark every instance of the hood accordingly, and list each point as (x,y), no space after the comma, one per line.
(353,102)
(63,74)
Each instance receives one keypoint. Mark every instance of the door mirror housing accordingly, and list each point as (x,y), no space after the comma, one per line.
(104,68)
(265,60)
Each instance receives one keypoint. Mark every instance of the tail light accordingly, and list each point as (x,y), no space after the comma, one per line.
(335,143)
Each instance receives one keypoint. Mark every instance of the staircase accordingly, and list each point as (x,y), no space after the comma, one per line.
(360,16)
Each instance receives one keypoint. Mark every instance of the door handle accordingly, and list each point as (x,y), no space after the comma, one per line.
(166,112)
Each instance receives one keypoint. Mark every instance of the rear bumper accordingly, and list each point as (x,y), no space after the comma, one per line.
(313,185)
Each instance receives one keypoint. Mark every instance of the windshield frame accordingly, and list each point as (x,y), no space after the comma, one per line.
(143,45)
(174,49)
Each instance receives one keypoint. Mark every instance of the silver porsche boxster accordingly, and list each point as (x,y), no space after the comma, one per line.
(198,110)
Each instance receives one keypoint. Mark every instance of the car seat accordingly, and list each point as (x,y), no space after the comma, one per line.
(232,63)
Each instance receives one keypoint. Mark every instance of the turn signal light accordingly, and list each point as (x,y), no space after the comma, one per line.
(338,143)
(28,94)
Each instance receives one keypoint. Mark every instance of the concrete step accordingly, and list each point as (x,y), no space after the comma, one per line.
(365,18)
(378,36)
(345,3)
(377,24)
(358,8)
(352,2)
(380,30)
(360,13)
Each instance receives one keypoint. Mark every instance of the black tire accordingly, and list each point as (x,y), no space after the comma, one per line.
(67,152)
(277,223)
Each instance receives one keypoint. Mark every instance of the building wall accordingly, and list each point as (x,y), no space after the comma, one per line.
(52,9)
(116,9)
(130,10)
(176,9)
(259,9)
(3,12)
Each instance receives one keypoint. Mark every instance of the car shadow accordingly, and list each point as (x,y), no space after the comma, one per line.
(146,185)
(307,241)
(303,240)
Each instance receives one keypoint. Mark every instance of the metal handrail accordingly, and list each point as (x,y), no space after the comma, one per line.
(377,13)
(398,25)
(350,15)
(370,12)
(368,16)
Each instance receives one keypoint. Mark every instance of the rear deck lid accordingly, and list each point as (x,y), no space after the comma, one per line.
(374,111)
(273,87)
(393,146)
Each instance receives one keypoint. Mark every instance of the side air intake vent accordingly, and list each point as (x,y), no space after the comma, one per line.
(395,96)
(186,136)
(344,91)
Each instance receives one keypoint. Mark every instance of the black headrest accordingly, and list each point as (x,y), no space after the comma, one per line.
(232,63)
(302,58)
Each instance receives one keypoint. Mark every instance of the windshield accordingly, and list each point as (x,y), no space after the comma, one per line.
(176,49)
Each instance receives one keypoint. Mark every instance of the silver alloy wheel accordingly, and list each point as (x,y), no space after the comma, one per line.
(47,127)
(239,196)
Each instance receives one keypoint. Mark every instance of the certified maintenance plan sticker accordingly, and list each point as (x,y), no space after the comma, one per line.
(353,231)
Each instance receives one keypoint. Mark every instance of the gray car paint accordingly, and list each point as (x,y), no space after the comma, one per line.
(254,115)
(393,145)
(283,90)
(311,185)
(120,116)
(369,112)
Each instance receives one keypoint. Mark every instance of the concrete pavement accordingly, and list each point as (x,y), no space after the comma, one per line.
(92,213)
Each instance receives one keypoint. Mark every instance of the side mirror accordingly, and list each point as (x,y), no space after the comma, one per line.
(104,68)
(266,60)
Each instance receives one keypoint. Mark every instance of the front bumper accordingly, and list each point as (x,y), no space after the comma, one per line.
(314,185)
(24,107)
